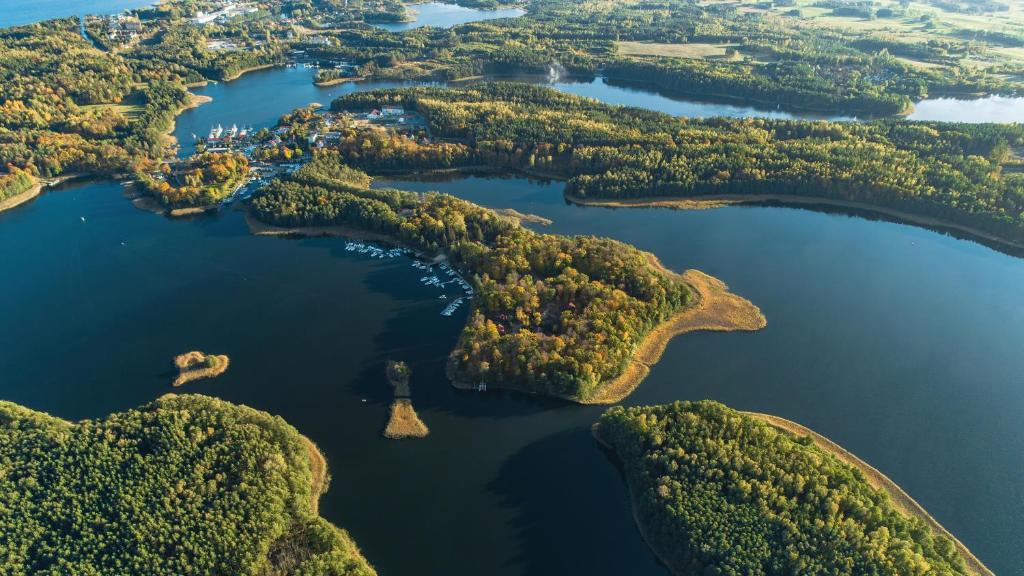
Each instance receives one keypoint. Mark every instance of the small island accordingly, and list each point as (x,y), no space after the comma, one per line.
(195,366)
(719,491)
(403,421)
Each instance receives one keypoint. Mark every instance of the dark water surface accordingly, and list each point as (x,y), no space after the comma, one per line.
(900,343)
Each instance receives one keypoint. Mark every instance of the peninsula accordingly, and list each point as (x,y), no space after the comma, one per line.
(188,484)
(579,318)
(720,490)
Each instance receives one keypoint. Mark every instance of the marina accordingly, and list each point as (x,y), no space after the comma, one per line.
(439,276)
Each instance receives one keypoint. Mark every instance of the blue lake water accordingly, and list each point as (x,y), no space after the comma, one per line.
(898,342)
(15,12)
(442,15)
(999,109)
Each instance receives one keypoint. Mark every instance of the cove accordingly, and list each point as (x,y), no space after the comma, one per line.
(441,15)
(897,342)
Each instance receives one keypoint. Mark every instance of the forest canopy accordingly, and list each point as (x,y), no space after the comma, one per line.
(717,492)
(183,485)
(558,315)
(968,174)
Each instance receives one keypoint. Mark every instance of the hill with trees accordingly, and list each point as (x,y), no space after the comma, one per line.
(183,485)
(716,491)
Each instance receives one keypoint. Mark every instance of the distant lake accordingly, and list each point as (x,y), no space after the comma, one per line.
(442,15)
(1000,109)
(623,94)
(16,12)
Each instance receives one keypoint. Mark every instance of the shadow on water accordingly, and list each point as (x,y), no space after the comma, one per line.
(592,506)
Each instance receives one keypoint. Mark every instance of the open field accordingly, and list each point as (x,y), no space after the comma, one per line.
(692,51)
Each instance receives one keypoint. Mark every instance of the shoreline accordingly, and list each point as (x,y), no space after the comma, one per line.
(722,200)
(245,71)
(336,81)
(901,501)
(260,228)
(714,309)
(712,201)
(196,100)
(28,195)
(595,431)
(899,498)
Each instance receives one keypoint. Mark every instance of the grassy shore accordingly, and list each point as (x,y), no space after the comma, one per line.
(900,499)
(22,198)
(196,366)
(721,200)
(714,308)
(262,229)
(336,81)
(404,422)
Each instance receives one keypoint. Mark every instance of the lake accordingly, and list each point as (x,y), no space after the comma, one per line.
(16,12)
(442,15)
(900,343)
(999,109)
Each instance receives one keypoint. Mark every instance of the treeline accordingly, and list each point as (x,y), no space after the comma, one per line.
(183,485)
(718,492)
(14,183)
(552,314)
(775,62)
(966,174)
(202,180)
(67,106)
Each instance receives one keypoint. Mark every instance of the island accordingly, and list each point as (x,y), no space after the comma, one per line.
(403,421)
(195,366)
(580,318)
(183,485)
(719,491)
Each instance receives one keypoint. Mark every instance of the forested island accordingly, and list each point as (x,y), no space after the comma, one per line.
(716,491)
(183,485)
(961,174)
(556,315)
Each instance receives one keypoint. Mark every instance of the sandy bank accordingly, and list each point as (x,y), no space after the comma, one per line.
(404,422)
(519,216)
(714,308)
(900,499)
(196,366)
(318,468)
(260,228)
(195,101)
(718,201)
(20,199)
(336,81)
(245,71)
